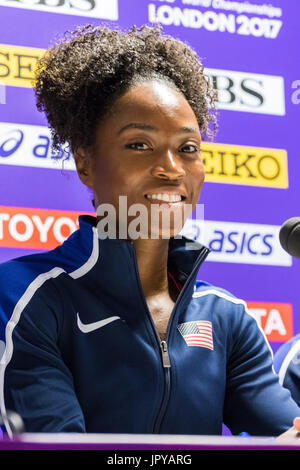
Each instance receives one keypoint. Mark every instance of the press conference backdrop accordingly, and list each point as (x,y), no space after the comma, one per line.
(250,52)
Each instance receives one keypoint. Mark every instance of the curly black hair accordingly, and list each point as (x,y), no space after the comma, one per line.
(79,78)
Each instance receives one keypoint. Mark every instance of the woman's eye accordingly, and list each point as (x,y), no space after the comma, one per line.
(138,146)
(189,148)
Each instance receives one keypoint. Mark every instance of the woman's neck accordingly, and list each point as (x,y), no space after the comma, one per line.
(152,261)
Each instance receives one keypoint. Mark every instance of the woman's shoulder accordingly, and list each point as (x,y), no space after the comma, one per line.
(225,305)
(20,272)
(20,280)
(204,289)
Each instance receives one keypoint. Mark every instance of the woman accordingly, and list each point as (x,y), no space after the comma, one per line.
(111,332)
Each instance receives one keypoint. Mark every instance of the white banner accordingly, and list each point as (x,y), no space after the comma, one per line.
(249,92)
(28,145)
(234,242)
(104,9)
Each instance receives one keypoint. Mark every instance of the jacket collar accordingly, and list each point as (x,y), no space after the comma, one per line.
(183,252)
(110,266)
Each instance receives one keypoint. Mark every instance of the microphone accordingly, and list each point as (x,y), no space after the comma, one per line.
(15,421)
(289,236)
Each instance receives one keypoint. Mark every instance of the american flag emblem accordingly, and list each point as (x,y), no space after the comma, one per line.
(197,333)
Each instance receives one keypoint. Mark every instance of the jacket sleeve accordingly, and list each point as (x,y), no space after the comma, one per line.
(35,381)
(255,401)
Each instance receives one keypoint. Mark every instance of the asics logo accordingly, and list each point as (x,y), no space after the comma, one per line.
(87,328)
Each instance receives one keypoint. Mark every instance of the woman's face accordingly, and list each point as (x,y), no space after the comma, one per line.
(148,150)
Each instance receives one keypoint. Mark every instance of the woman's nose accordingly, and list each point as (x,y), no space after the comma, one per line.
(168,166)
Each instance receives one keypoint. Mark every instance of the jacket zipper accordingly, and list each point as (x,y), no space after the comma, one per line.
(165,358)
(167,375)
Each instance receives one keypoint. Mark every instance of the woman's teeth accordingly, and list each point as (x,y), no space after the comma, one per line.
(165,197)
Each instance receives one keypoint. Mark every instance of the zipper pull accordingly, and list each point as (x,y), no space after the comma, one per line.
(165,354)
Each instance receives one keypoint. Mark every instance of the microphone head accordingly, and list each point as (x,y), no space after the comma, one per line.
(289,236)
(16,422)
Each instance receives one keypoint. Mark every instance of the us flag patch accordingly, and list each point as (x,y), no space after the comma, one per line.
(197,333)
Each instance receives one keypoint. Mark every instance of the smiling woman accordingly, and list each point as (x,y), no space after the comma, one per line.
(116,333)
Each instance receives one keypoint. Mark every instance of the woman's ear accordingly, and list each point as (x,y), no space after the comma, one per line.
(84,166)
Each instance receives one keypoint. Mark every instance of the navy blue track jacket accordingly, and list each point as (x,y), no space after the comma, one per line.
(83,355)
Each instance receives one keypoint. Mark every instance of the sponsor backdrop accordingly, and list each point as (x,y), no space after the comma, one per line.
(250,51)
